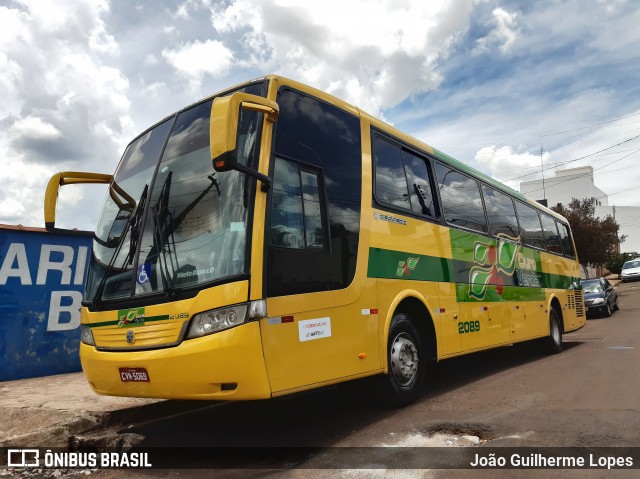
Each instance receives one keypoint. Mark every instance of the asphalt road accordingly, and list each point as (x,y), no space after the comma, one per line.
(587,396)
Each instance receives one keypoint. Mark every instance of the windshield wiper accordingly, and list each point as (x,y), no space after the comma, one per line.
(133,224)
(163,239)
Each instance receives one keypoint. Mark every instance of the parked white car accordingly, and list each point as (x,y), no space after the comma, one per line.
(630,270)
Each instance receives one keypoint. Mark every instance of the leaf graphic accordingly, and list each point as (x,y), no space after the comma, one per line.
(412,263)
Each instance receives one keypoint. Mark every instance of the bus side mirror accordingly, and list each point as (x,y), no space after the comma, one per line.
(68,178)
(223,130)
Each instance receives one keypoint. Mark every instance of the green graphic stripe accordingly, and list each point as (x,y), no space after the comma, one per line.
(114,323)
(388,264)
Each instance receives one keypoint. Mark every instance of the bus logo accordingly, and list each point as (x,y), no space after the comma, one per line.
(405,267)
(130,317)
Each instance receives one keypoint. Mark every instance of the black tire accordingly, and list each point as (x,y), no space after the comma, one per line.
(607,312)
(553,343)
(406,360)
(616,305)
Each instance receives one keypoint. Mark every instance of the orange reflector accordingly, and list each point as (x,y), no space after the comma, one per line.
(219,164)
(362,355)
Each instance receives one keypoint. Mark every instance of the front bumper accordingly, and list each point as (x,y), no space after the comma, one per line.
(630,277)
(228,365)
(596,308)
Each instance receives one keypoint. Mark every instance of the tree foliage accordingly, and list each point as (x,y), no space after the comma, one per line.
(596,239)
(618,260)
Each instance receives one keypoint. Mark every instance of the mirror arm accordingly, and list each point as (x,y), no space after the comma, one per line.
(266,181)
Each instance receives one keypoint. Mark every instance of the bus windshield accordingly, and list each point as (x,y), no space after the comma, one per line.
(188,224)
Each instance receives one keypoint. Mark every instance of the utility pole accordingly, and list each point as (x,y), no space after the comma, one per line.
(617,236)
(544,193)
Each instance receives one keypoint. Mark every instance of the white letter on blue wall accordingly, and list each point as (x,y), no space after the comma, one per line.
(56,308)
(15,252)
(46,264)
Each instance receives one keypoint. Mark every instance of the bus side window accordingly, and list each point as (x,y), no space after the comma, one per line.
(419,180)
(391,183)
(501,214)
(551,236)
(460,199)
(565,240)
(530,226)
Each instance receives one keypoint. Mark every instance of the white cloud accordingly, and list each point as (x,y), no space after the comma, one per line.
(11,210)
(199,58)
(373,54)
(34,127)
(503,34)
(505,163)
(65,107)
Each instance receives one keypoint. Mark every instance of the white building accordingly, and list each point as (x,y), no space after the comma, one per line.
(566,185)
(578,183)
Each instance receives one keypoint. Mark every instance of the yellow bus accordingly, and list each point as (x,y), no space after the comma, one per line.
(272,239)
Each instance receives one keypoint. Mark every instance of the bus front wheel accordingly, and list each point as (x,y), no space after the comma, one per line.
(406,363)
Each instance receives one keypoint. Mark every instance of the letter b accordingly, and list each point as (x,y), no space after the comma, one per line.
(56,308)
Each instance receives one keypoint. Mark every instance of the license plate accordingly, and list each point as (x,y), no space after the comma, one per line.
(134,375)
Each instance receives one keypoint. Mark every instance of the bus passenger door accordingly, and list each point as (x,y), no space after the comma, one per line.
(314,333)
(323,322)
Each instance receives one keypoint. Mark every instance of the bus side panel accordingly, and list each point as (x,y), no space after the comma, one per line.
(308,341)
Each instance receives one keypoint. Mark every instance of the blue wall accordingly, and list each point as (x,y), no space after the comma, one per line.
(41,277)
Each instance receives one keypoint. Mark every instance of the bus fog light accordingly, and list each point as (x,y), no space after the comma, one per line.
(86,336)
(210,322)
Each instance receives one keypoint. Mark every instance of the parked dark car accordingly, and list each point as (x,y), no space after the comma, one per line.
(599,297)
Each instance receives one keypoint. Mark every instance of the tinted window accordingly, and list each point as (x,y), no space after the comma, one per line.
(391,183)
(501,213)
(325,142)
(551,236)
(287,229)
(296,216)
(565,240)
(419,181)
(460,198)
(402,178)
(530,227)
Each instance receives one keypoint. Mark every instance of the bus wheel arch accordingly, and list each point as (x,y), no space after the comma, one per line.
(409,344)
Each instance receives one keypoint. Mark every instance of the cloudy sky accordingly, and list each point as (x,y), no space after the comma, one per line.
(490,82)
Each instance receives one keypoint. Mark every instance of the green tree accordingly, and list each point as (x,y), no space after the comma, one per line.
(596,238)
(615,263)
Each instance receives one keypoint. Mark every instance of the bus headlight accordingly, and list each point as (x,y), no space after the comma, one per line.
(210,322)
(86,336)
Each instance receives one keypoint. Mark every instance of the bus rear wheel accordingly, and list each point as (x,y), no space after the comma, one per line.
(406,363)
(554,341)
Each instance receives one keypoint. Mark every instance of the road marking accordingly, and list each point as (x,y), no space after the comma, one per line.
(621,347)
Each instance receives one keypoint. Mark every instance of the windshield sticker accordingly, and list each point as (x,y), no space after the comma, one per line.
(311,329)
(128,318)
(144,272)
(236,226)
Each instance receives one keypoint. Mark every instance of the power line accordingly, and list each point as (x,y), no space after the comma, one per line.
(582,157)
(588,174)
(586,127)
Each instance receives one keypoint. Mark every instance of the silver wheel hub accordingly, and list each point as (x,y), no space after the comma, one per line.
(404,359)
